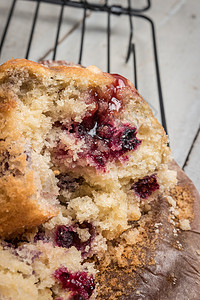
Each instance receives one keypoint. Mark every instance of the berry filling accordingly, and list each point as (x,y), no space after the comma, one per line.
(66,236)
(106,142)
(105,138)
(80,283)
(146,186)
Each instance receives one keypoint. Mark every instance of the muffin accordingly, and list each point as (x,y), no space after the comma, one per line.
(81,159)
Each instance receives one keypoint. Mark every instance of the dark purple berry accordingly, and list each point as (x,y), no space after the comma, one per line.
(129,140)
(146,186)
(40,235)
(66,236)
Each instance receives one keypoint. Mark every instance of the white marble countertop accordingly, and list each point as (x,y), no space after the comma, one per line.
(177,25)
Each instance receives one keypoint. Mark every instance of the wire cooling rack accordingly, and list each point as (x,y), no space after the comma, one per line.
(124,8)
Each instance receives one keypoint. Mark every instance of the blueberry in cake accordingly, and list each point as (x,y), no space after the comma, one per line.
(81,158)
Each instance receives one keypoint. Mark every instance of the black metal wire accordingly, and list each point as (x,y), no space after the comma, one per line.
(58,31)
(7,24)
(82,34)
(191,148)
(108,43)
(131,32)
(134,65)
(131,47)
(114,9)
(162,109)
(32,29)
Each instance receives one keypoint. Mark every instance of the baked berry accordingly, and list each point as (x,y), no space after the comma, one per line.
(107,141)
(146,186)
(129,140)
(40,235)
(80,283)
(66,236)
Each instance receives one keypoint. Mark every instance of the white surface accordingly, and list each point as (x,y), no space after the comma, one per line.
(177,25)
(178,32)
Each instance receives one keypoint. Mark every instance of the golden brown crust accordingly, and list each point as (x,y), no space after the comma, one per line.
(94,75)
(19,210)
(19,207)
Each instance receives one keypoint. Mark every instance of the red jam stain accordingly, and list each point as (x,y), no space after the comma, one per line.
(105,138)
(146,186)
(80,283)
(66,236)
(120,81)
